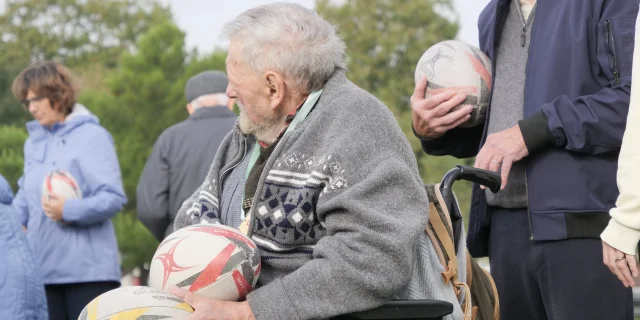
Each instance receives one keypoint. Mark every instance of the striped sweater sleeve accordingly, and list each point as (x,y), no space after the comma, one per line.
(623,231)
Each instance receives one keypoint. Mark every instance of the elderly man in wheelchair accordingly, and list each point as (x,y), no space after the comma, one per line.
(319,174)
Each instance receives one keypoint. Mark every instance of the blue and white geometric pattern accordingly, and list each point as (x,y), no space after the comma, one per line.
(285,218)
(206,208)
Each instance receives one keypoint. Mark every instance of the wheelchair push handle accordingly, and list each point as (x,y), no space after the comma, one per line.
(486,178)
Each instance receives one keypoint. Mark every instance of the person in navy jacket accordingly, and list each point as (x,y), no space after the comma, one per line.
(554,127)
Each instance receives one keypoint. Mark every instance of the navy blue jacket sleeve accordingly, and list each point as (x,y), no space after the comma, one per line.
(594,124)
(458,142)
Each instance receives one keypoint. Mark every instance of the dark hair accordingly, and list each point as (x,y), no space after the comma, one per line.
(49,80)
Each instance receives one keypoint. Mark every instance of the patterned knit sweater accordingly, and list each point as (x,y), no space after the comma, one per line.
(338,211)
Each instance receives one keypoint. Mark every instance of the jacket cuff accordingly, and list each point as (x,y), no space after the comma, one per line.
(432,146)
(536,134)
(72,210)
(264,300)
(620,237)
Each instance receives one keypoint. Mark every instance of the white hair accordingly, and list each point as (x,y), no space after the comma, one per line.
(290,39)
(218,99)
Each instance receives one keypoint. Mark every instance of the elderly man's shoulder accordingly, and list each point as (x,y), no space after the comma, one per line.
(357,108)
(359,97)
(347,97)
(180,129)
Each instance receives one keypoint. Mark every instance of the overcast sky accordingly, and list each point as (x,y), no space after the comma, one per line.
(203,19)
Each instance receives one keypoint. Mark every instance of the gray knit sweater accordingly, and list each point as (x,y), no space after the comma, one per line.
(507,103)
(338,212)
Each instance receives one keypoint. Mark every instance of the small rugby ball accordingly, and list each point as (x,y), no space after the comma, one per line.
(210,260)
(463,68)
(62,184)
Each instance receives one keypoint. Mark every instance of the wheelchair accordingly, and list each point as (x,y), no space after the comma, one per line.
(432,309)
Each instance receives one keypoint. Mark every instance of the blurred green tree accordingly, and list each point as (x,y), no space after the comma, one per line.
(136,102)
(11,155)
(76,33)
(130,63)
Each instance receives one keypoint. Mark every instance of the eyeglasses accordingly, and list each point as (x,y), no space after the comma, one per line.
(27,102)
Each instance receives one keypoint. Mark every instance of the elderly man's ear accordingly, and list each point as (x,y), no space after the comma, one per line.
(276,87)
(189,108)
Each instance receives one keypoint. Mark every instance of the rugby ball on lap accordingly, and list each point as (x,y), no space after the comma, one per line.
(213,261)
(61,183)
(134,303)
(456,65)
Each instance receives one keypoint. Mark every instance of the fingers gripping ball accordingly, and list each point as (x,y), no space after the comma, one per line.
(212,261)
(456,65)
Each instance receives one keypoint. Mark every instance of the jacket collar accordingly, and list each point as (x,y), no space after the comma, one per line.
(79,116)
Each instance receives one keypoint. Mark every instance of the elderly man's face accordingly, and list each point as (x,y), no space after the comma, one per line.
(259,115)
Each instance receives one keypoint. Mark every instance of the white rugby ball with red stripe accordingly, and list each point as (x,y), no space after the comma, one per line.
(463,68)
(62,184)
(210,260)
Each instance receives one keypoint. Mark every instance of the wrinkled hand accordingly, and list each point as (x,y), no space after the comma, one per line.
(431,117)
(209,309)
(500,151)
(625,269)
(53,207)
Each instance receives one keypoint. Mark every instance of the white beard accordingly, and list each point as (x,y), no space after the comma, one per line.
(267,132)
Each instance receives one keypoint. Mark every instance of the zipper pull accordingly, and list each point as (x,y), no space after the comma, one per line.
(523,37)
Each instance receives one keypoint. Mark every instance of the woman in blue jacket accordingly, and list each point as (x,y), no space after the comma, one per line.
(21,292)
(73,240)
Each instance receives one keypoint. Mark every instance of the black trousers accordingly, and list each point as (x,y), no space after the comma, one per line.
(555,280)
(66,301)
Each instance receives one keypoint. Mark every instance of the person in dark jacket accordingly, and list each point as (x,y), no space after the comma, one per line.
(562,74)
(183,153)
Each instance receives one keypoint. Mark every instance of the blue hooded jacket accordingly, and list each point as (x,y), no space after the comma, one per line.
(21,290)
(84,248)
(577,93)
